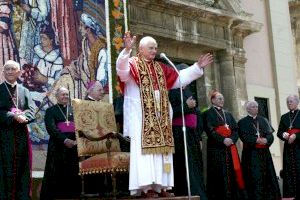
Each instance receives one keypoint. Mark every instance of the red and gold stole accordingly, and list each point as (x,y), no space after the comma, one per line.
(157,137)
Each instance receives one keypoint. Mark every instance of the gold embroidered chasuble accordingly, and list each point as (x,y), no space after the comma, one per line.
(157,137)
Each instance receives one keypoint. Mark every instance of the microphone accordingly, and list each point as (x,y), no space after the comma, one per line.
(164,56)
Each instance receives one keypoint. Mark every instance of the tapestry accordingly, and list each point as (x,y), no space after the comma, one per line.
(70,43)
(93,120)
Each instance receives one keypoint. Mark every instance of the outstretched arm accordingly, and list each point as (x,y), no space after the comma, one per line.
(123,69)
(186,76)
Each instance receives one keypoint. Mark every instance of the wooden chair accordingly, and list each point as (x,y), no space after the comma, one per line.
(98,141)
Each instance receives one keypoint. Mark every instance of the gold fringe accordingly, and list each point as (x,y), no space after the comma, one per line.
(158,150)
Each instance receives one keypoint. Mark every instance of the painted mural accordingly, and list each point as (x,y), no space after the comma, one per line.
(60,43)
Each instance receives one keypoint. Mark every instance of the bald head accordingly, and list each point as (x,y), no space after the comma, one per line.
(147,40)
(148,48)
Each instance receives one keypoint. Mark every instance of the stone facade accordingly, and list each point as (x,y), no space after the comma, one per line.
(184,29)
(294,6)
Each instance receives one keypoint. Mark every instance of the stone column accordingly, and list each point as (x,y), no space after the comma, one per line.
(227,80)
(233,81)
(295,24)
(296,33)
(239,61)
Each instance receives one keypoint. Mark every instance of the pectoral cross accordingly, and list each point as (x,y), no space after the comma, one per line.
(257,133)
(227,126)
(67,122)
(290,127)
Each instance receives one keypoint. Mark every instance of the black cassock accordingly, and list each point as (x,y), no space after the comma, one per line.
(221,178)
(291,154)
(61,179)
(257,164)
(193,136)
(15,163)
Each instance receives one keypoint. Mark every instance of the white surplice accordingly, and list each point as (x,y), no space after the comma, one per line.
(146,170)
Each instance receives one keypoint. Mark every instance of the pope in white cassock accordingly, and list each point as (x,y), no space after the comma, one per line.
(147,114)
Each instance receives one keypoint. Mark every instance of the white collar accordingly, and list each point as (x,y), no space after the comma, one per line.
(217,107)
(11,84)
(252,116)
(91,98)
(292,111)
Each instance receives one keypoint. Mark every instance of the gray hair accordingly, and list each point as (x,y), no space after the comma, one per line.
(146,40)
(59,90)
(250,103)
(12,63)
(295,97)
(94,86)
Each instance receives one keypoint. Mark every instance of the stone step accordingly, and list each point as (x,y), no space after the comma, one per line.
(132,198)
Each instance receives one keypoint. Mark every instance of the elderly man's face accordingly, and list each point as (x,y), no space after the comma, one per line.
(63,96)
(11,73)
(292,103)
(97,92)
(149,50)
(218,100)
(252,109)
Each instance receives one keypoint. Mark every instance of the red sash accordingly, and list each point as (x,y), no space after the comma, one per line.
(293,131)
(257,146)
(226,132)
(261,146)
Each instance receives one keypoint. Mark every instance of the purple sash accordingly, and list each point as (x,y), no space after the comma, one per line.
(190,121)
(16,111)
(66,127)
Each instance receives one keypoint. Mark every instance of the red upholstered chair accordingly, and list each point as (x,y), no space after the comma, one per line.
(98,141)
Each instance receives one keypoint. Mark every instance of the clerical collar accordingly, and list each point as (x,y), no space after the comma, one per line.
(254,117)
(292,111)
(62,105)
(91,98)
(218,108)
(11,84)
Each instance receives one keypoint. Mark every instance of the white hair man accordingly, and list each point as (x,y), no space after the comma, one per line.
(145,84)
(288,132)
(16,111)
(95,91)
(257,135)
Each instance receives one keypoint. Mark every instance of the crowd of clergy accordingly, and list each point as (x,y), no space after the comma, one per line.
(157,148)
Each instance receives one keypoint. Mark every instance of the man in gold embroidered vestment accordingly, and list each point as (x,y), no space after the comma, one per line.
(147,120)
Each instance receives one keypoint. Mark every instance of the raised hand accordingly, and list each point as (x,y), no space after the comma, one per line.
(205,60)
(129,40)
